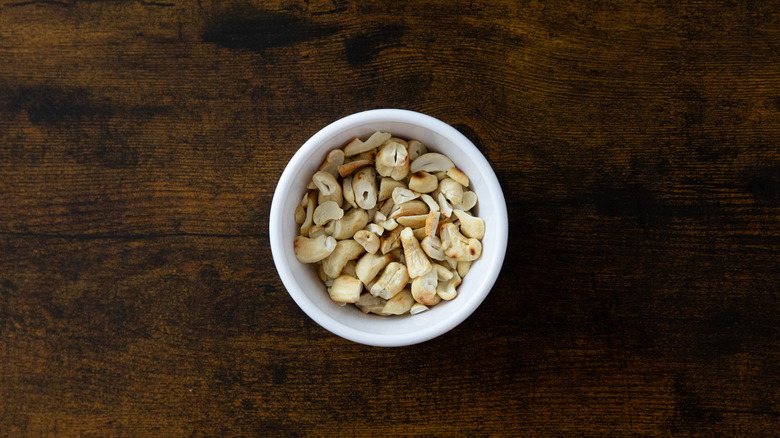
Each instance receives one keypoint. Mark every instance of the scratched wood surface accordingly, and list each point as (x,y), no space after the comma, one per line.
(638,146)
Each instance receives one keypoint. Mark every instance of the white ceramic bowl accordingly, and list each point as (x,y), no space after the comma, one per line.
(348,321)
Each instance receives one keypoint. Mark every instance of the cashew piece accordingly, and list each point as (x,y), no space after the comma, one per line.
(308,221)
(417,308)
(401,303)
(414,222)
(431,245)
(424,289)
(345,251)
(457,247)
(423,182)
(393,279)
(470,226)
(368,240)
(369,266)
(334,159)
(432,162)
(409,208)
(353,221)
(451,190)
(458,176)
(417,262)
(416,148)
(402,194)
(393,160)
(371,304)
(327,211)
(313,250)
(345,289)
(364,185)
(330,189)
(386,187)
(358,146)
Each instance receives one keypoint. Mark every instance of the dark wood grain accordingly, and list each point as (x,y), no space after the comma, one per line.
(638,146)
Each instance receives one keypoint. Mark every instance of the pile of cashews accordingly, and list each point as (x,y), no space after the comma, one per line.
(389,225)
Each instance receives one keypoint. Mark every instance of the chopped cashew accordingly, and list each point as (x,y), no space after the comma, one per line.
(470,226)
(463,268)
(368,240)
(358,146)
(311,199)
(401,303)
(417,308)
(390,240)
(457,247)
(458,176)
(347,169)
(371,304)
(345,251)
(414,221)
(444,204)
(416,148)
(364,185)
(432,223)
(313,250)
(447,290)
(334,159)
(428,200)
(386,187)
(347,192)
(402,194)
(416,261)
(369,266)
(393,160)
(451,190)
(469,200)
(409,208)
(423,182)
(353,221)
(424,289)
(345,289)
(432,162)
(327,211)
(330,189)
(393,279)
(431,245)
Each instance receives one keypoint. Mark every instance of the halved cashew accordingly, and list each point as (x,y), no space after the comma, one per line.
(313,250)
(386,187)
(390,240)
(423,182)
(353,221)
(417,308)
(364,185)
(300,214)
(457,247)
(447,290)
(375,229)
(393,160)
(431,245)
(432,162)
(458,176)
(334,159)
(470,226)
(469,200)
(442,272)
(416,148)
(327,211)
(401,303)
(417,262)
(409,208)
(350,269)
(317,230)
(368,240)
(345,289)
(349,168)
(393,280)
(463,268)
(419,233)
(347,192)
(402,194)
(432,223)
(444,204)
(330,189)
(345,251)
(424,289)
(414,221)
(369,266)
(451,190)
(311,199)
(429,201)
(358,146)
(371,304)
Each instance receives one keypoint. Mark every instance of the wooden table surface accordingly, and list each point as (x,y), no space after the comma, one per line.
(637,144)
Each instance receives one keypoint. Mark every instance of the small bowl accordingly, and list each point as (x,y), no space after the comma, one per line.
(301,280)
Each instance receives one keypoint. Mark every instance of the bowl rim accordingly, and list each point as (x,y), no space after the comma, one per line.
(303,154)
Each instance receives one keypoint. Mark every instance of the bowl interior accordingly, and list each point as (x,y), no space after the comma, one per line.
(347,321)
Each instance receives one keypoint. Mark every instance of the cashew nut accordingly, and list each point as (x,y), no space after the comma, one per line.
(330,189)
(345,251)
(345,289)
(447,290)
(358,146)
(334,159)
(416,148)
(371,304)
(348,168)
(402,194)
(327,211)
(399,304)
(417,262)
(393,160)
(469,200)
(392,281)
(470,226)
(432,162)
(431,245)
(424,289)
(369,266)
(386,187)
(451,190)
(409,208)
(390,240)
(368,240)
(457,247)
(423,182)
(353,221)
(417,308)
(458,176)
(364,185)
(312,250)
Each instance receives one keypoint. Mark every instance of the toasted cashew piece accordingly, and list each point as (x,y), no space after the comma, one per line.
(402,194)
(414,221)
(327,211)
(470,226)
(313,250)
(371,304)
(430,202)
(350,167)
(417,308)
(432,223)
(375,229)
(431,245)
(424,289)
(345,289)
(432,162)
(357,146)
(416,148)
(353,221)
(386,187)
(390,240)
(300,214)
(409,208)
(393,160)
(401,303)
(310,199)
(444,205)
(334,159)
(364,185)
(347,192)
(423,182)
(447,290)
(345,251)
(369,266)
(457,247)
(393,280)
(368,240)
(416,261)
(469,200)
(458,176)
(329,188)
(463,268)
(451,190)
